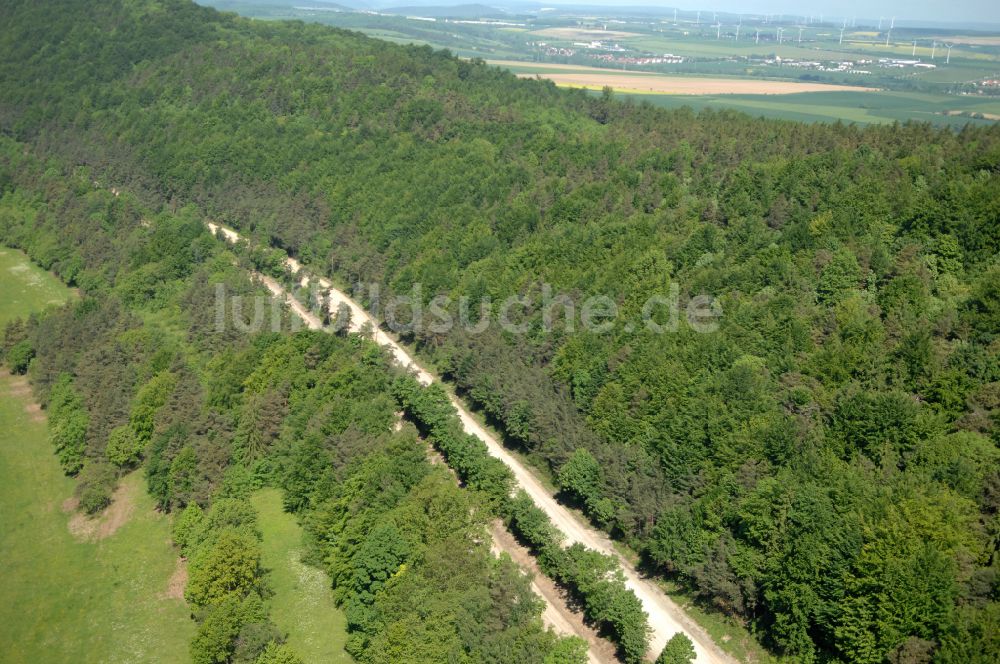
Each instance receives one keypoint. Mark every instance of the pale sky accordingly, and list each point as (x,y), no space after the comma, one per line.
(978,11)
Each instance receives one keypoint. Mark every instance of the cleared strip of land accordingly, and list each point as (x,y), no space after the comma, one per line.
(595,78)
(557,613)
(665,617)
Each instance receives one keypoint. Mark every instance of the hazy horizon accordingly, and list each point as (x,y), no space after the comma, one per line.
(978,11)
(922,11)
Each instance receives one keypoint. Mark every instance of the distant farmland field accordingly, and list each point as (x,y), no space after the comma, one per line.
(846,106)
(786,100)
(594,78)
(583,33)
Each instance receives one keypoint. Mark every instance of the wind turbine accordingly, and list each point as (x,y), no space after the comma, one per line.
(718,30)
(880,24)
(800,34)
(841,42)
(697,21)
(756,39)
(887,35)
(780,30)
(892,23)
(738,26)
(675,17)
(933,50)
(949,47)
(914,53)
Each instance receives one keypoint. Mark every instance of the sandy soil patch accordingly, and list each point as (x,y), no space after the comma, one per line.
(683,85)
(34,412)
(18,387)
(178,581)
(94,528)
(583,34)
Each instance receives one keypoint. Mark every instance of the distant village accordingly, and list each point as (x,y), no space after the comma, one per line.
(611,52)
(607,54)
(863,66)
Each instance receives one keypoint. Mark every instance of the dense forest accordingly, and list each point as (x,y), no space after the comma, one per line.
(823,467)
(143,377)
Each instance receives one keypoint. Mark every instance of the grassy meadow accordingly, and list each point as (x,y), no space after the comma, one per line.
(74,590)
(26,288)
(302,604)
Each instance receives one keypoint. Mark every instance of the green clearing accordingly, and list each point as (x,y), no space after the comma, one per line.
(302,604)
(860,107)
(25,287)
(67,598)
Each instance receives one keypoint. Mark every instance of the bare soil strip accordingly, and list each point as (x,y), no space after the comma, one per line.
(34,412)
(178,581)
(19,388)
(117,514)
(557,612)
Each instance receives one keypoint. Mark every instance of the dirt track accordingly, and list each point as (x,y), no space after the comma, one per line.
(557,614)
(665,617)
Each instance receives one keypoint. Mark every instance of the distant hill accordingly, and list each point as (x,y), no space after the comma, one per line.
(257,7)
